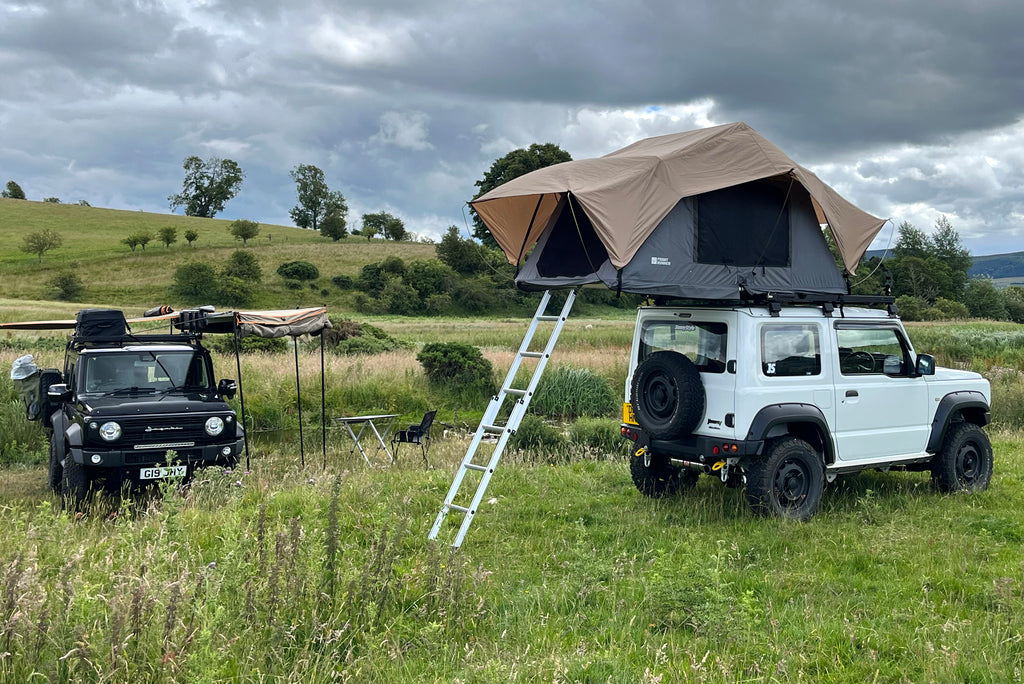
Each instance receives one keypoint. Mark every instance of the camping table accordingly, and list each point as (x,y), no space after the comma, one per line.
(364,422)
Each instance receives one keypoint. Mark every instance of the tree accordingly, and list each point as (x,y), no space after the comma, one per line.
(66,285)
(52,200)
(512,165)
(244,266)
(947,246)
(911,242)
(168,235)
(333,226)
(316,201)
(983,299)
(207,186)
(13,191)
(244,230)
(41,242)
(191,236)
(144,238)
(383,223)
(464,256)
(930,267)
(195,282)
(368,231)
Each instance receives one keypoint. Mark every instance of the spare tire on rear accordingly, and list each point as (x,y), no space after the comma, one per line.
(667,395)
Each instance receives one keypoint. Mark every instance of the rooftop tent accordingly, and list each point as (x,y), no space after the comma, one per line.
(702,214)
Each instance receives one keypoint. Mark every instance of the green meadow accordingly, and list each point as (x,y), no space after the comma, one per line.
(319,571)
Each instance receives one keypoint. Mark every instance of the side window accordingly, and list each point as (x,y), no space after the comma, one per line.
(872,351)
(789,350)
(702,343)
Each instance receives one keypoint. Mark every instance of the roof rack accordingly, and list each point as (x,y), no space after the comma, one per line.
(776,300)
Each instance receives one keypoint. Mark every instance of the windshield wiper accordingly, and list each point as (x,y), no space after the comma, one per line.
(129,390)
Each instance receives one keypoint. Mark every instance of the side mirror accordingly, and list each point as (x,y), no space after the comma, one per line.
(925,364)
(227,388)
(892,365)
(59,393)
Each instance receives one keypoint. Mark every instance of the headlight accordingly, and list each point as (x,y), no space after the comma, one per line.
(110,431)
(214,426)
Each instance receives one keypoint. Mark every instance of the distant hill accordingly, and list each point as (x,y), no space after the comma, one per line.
(1005,269)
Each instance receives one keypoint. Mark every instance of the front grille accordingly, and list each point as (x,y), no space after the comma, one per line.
(162,429)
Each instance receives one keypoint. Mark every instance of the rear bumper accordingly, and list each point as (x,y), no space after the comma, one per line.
(695,448)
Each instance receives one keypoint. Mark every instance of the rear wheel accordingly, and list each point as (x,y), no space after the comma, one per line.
(964,464)
(56,469)
(74,483)
(655,477)
(788,482)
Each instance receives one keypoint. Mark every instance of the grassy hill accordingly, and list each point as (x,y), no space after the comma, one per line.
(116,276)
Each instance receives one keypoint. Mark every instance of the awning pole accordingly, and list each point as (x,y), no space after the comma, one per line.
(323,400)
(241,393)
(298,396)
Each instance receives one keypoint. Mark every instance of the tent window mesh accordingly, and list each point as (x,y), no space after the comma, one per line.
(573,248)
(745,225)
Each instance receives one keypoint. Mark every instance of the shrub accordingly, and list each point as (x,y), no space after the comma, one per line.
(225,344)
(911,308)
(52,200)
(298,270)
(67,286)
(234,291)
(601,434)
(244,230)
(568,392)
(534,434)
(195,282)
(343,282)
(458,367)
(349,337)
(400,299)
(243,264)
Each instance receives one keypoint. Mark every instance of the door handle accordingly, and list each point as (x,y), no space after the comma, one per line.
(852,393)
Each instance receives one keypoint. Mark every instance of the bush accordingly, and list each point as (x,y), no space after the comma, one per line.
(298,270)
(343,282)
(349,337)
(459,368)
(534,434)
(66,286)
(225,344)
(234,291)
(911,308)
(243,264)
(195,282)
(400,299)
(601,434)
(567,392)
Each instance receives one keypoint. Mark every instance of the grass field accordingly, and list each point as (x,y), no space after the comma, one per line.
(115,276)
(321,573)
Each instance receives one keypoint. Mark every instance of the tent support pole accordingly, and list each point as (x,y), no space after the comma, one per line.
(298,396)
(241,394)
(323,401)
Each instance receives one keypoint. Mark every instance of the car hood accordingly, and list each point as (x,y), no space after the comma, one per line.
(150,404)
(952,374)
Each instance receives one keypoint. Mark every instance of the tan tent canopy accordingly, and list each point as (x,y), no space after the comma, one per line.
(627,193)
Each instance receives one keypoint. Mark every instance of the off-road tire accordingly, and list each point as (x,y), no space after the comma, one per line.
(964,463)
(787,482)
(74,484)
(656,478)
(667,395)
(56,472)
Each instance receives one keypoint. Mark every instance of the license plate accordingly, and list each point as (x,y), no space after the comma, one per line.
(627,414)
(163,472)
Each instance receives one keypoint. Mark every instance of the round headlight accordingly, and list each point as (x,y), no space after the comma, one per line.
(214,426)
(110,431)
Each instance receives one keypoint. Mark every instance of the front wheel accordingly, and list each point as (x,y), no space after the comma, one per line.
(655,477)
(788,482)
(964,463)
(74,483)
(56,473)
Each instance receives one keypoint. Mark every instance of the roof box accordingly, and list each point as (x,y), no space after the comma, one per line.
(93,325)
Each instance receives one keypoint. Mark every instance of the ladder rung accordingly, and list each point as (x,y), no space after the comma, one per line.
(548,318)
(474,466)
(493,429)
(533,355)
(515,392)
(461,509)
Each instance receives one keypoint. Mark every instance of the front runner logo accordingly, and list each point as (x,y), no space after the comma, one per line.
(660,261)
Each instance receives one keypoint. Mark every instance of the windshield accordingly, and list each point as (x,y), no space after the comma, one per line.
(152,371)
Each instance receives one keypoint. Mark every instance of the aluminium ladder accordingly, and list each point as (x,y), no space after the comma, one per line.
(488,424)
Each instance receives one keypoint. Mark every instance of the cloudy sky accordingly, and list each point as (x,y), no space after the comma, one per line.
(910,108)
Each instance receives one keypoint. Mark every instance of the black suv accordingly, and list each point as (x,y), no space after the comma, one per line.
(134,408)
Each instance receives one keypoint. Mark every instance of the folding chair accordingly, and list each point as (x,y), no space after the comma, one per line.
(415,434)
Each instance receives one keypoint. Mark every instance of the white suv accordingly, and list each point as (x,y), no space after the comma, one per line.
(780,399)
